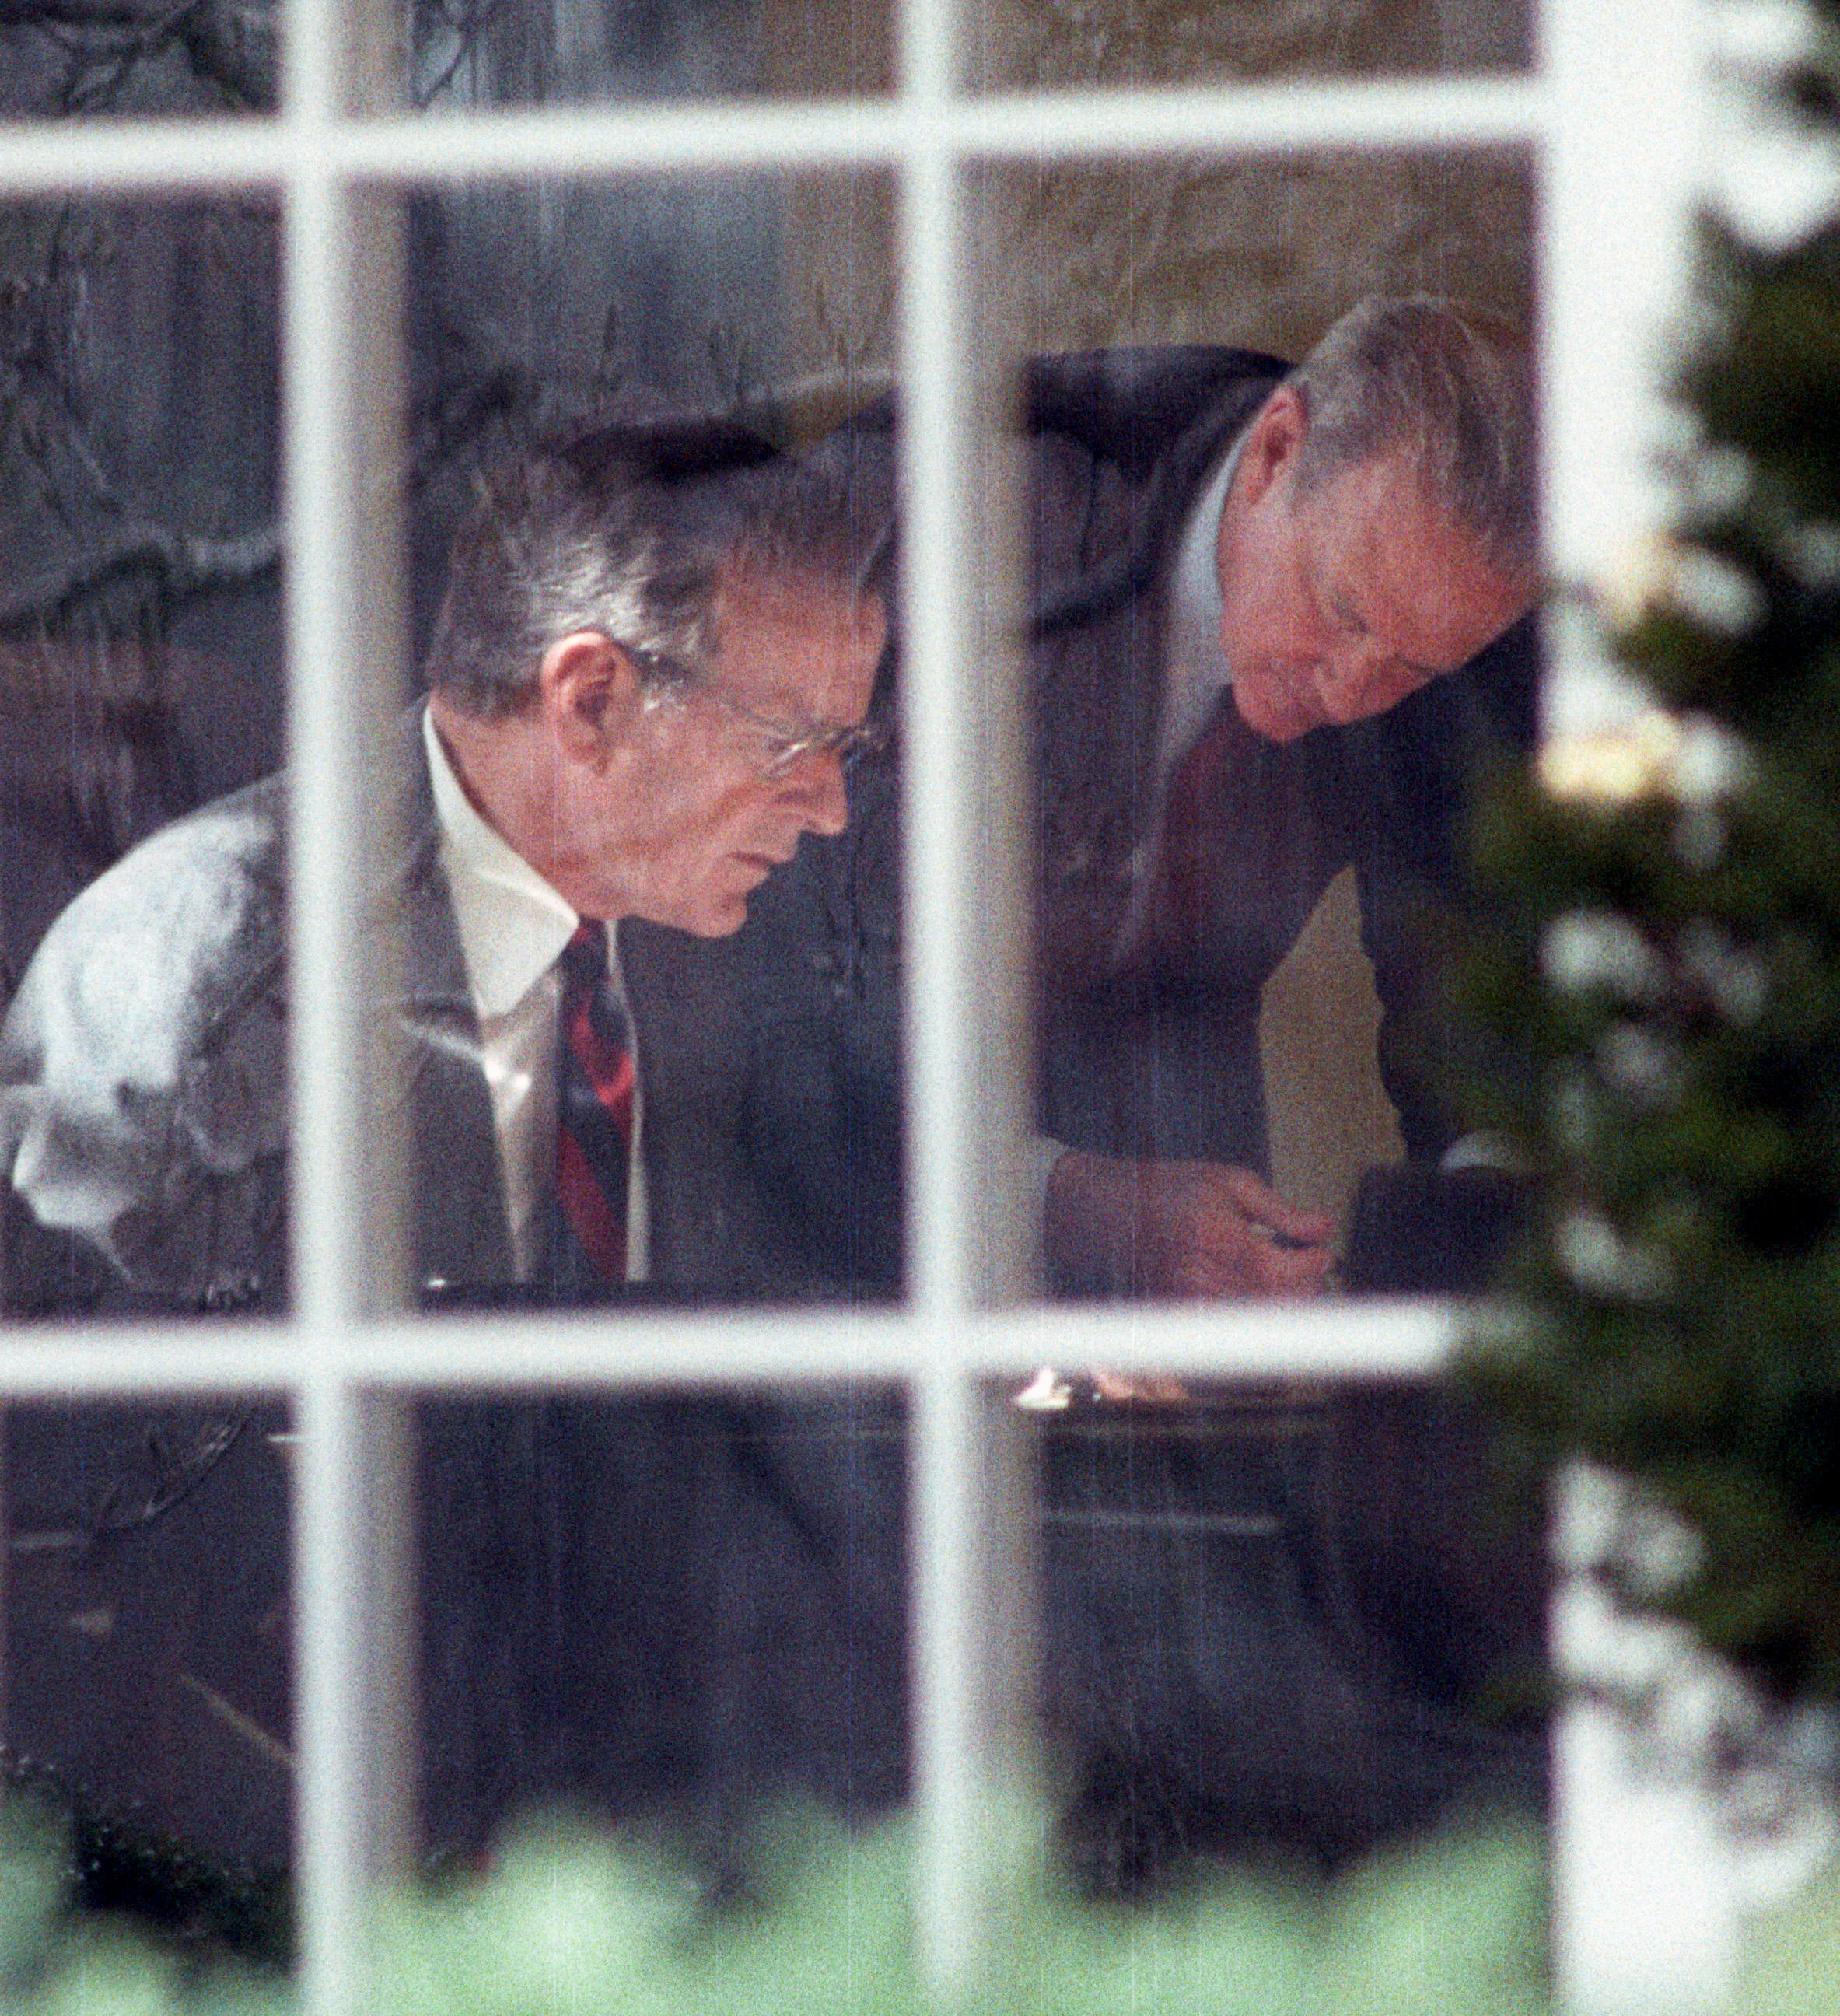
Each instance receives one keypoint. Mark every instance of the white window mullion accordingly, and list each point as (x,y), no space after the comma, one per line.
(352,1593)
(160,157)
(1617,188)
(1642,1909)
(1378,1338)
(968,1244)
(976,1686)
(343,338)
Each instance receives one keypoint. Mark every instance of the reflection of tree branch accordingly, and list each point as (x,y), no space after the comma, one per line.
(231,43)
(466,23)
(235,47)
(458,411)
(185,563)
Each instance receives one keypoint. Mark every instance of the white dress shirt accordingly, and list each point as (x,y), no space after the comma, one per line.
(512,927)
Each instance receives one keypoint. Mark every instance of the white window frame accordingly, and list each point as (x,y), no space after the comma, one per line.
(1612,134)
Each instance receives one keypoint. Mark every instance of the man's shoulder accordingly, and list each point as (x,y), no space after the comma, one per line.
(142,1061)
(133,956)
(226,851)
(1128,403)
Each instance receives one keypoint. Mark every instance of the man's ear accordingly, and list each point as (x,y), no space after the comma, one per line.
(588,687)
(1273,439)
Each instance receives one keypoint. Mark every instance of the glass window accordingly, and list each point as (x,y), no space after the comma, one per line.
(142,681)
(772,296)
(686,349)
(1238,1072)
(149,62)
(469,55)
(1021,44)
(1251,842)
(149,1631)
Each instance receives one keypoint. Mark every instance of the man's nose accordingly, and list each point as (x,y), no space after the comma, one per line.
(817,782)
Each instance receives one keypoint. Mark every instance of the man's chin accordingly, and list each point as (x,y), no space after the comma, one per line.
(719,920)
(712,915)
(719,908)
(1271,722)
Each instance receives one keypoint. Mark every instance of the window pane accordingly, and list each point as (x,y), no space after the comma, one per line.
(1021,44)
(141,679)
(472,54)
(1252,871)
(139,60)
(1288,1623)
(684,1610)
(666,366)
(678,1612)
(148,1651)
(1289,1618)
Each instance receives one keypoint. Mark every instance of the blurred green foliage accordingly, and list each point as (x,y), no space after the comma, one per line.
(568,1921)
(1665,966)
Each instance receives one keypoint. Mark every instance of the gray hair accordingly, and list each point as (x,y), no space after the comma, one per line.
(618,534)
(1450,384)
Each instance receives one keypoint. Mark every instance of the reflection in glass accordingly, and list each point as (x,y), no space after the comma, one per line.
(1283,1622)
(1286,1617)
(578,357)
(1242,899)
(1024,44)
(140,679)
(467,54)
(685,1610)
(147,1633)
(108,59)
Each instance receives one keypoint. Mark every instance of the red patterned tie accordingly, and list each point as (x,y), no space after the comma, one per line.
(1184,865)
(594,1115)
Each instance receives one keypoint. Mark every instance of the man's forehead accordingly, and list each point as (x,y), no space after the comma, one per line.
(1373,509)
(1392,485)
(793,596)
(800,644)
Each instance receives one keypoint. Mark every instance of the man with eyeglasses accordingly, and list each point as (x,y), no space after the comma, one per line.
(1273,616)
(654,657)
(655,747)
(1278,619)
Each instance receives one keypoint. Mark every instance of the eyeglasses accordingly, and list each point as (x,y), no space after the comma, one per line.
(785,745)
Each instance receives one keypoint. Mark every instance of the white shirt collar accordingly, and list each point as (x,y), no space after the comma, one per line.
(512,924)
(1197,668)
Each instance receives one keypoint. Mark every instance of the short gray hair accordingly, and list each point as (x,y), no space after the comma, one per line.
(630,532)
(1451,384)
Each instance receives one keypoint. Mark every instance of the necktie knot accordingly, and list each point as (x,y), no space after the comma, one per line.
(585,957)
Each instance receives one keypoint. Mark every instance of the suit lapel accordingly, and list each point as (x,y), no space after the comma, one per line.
(427,1051)
(693,1054)
(1107,532)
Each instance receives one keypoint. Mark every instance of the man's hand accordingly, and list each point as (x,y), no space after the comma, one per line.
(1191,1229)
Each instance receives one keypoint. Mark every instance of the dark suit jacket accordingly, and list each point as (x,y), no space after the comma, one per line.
(1313,1681)
(1161,1057)
(681,1599)
(143,1071)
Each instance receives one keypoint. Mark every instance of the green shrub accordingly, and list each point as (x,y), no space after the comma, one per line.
(570,1921)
